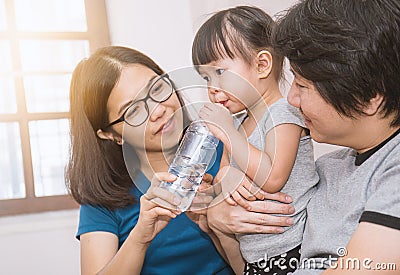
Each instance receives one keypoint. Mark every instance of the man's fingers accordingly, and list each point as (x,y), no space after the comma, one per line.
(279,196)
(230,201)
(254,189)
(270,207)
(246,194)
(239,199)
(269,220)
(248,228)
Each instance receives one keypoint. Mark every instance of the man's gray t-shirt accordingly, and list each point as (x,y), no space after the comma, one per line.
(300,186)
(346,195)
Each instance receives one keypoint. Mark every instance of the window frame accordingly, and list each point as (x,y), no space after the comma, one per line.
(97,35)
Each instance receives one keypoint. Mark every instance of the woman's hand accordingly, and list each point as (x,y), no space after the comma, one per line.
(198,209)
(157,207)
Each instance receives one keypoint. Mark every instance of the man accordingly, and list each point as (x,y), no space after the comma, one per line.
(345,57)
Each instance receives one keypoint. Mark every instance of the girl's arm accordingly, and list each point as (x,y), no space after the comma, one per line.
(270,169)
(231,248)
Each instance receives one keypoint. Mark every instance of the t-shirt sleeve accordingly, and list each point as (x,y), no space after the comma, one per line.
(92,218)
(383,206)
(283,113)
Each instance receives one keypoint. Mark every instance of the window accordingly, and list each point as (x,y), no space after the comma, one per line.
(41,42)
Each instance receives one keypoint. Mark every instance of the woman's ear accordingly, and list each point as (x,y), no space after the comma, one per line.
(374,105)
(108,136)
(264,63)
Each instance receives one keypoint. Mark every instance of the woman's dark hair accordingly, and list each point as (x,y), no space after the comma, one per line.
(240,31)
(96,173)
(350,50)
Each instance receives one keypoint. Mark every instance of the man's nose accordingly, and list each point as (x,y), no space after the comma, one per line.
(294,97)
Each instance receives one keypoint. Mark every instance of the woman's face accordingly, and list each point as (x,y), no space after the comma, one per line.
(163,127)
(321,118)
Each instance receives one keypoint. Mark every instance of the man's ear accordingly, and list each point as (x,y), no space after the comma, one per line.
(108,136)
(374,105)
(264,63)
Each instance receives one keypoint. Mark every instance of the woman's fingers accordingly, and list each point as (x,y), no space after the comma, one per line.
(149,204)
(164,198)
(156,212)
(207,178)
(206,187)
(157,179)
(163,176)
(161,196)
(217,188)
(202,199)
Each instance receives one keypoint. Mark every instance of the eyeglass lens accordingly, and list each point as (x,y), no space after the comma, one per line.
(159,91)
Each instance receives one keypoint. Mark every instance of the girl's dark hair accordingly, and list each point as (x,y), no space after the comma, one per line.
(96,173)
(350,50)
(240,31)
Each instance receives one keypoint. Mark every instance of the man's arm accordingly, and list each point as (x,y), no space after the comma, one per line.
(375,248)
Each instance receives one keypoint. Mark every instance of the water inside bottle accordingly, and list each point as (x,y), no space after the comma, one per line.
(189,178)
(195,153)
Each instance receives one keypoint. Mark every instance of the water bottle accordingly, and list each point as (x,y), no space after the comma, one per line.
(195,154)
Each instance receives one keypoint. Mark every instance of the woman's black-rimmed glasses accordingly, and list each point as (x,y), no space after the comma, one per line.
(138,112)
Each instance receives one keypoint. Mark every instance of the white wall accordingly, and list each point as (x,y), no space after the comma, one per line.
(44,244)
(39,244)
(161,29)
(164,30)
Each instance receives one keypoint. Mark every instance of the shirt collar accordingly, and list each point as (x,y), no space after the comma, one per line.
(361,158)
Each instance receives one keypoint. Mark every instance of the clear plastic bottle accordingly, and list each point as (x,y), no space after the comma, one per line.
(195,154)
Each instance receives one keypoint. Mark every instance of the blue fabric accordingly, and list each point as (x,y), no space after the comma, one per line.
(181,248)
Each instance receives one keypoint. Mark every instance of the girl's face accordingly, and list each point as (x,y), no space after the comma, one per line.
(163,127)
(321,118)
(232,83)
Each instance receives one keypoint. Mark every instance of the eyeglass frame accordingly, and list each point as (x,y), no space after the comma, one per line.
(164,77)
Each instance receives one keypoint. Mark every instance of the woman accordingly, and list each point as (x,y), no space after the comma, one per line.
(345,59)
(122,231)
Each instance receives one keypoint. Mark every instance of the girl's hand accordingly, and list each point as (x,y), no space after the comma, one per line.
(237,189)
(218,119)
(157,207)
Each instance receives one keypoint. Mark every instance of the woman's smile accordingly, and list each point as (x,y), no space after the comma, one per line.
(167,126)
